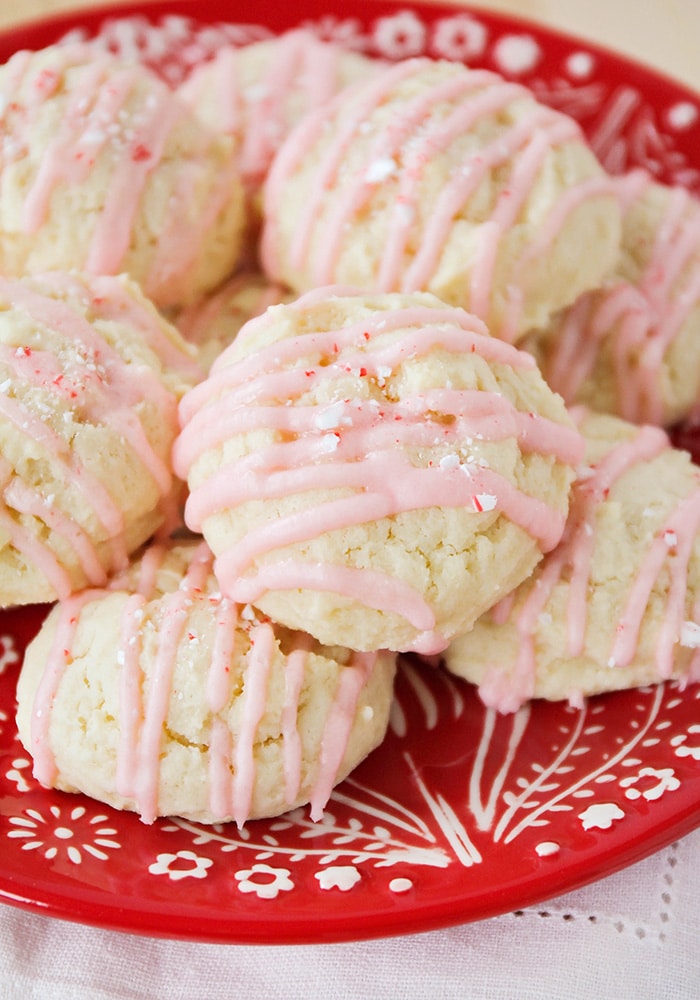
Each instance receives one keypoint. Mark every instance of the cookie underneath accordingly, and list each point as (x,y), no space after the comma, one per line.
(616,604)
(167,699)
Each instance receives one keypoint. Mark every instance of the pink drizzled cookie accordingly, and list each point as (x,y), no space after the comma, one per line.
(374,469)
(90,378)
(105,170)
(435,177)
(258,93)
(161,696)
(632,348)
(617,603)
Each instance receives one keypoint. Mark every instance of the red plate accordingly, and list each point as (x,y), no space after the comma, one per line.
(461,814)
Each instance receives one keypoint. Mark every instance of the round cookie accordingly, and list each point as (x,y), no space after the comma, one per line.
(374,469)
(160,696)
(104,169)
(617,604)
(214,322)
(259,92)
(90,379)
(632,348)
(436,177)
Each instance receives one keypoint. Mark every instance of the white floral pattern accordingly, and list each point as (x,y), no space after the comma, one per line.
(400,35)
(8,652)
(462,38)
(71,833)
(182,864)
(264,881)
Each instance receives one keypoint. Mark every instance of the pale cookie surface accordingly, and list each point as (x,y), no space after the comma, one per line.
(259,92)
(632,348)
(213,323)
(90,378)
(435,177)
(374,469)
(105,170)
(167,699)
(617,604)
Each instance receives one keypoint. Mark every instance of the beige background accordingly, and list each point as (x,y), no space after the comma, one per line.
(665,33)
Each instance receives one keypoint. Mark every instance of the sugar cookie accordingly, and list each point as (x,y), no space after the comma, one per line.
(166,699)
(374,469)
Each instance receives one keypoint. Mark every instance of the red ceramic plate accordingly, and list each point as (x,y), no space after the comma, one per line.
(461,814)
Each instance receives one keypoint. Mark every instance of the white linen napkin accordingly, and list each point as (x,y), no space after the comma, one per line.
(632,936)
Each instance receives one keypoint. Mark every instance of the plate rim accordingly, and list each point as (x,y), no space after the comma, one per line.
(266,927)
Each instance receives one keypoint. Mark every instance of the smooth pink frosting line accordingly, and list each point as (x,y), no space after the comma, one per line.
(44,769)
(130,697)
(336,731)
(377,590)
(23,499)
(254,702)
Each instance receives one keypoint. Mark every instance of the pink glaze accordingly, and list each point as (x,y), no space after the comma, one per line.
(100,388)
(397,160)
(130,697)
(358,449)
(143,710)
(262,641)
(59,657)
(336,731)
(641,321)
(572,560)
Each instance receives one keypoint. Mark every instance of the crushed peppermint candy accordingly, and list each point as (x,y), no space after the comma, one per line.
(671,538)
(690,635)
(333,416)
(247,613)
(380,169)
(330,442)
(382,373)
(450,461)
(482,502)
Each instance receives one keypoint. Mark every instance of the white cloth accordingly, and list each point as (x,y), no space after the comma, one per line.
(632,936)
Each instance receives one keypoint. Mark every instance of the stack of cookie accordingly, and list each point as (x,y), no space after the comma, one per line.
(287,329)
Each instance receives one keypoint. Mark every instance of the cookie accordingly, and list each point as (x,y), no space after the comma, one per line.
(90,379)
(374,469)
(436,177)
(259,92)
(103,169)
(617,604)
(213,323)
(632,348)
(162,697)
